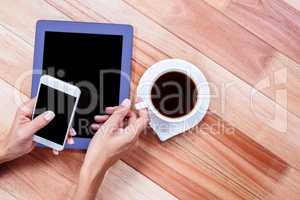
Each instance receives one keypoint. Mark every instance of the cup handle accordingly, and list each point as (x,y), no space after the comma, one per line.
(140,105)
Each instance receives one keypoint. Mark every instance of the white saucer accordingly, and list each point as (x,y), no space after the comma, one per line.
(166,127)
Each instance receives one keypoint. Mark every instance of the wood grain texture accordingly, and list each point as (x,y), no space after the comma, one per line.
(15,61)
(242,53)
(274,21)
(236,152)
(41,175)
(16,56)
(113,16)
(241,115)
(210,68)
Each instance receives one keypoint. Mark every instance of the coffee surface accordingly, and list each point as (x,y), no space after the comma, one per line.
(174,94)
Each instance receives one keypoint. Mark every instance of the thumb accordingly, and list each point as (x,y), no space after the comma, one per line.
(41,121)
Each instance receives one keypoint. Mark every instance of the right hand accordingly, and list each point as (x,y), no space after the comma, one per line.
(112,140)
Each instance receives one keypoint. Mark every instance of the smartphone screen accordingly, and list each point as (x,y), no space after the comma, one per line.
(62,105)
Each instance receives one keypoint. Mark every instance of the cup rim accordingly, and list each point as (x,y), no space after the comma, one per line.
(175,119)
(186,68)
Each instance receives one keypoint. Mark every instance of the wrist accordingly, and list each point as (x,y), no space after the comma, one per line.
(91,172)
(90,179)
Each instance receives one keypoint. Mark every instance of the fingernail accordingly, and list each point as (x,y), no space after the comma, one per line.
(49,115)
(126,103)
(95,126)
(73,132)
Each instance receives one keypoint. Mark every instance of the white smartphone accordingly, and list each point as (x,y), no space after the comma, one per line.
(61,98)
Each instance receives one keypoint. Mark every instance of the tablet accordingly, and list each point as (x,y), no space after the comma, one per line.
(95,57)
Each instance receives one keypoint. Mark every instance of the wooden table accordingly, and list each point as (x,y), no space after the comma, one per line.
(247,146)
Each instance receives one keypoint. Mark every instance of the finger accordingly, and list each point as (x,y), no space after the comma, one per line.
(40,121)
(95,127)
(118,115)
(27,107)
(55,152)
(131,117)
(101,118)
(142,112)
(139,125)
(134,129)
(72,132)
(110,110)
(70,140)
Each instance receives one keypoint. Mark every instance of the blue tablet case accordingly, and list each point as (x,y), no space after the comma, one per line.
(82,27)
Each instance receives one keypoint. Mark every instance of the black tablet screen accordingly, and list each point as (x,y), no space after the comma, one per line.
(93,63)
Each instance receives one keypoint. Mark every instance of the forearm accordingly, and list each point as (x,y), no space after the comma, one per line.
(90,179)
(3,154)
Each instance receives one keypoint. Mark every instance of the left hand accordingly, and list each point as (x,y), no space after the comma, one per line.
(19,140)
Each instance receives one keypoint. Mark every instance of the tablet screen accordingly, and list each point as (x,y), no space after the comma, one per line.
(93,63)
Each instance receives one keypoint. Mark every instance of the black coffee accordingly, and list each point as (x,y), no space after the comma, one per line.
(174,94)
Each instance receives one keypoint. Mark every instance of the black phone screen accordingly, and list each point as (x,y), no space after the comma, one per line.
(62,105)
(93,63)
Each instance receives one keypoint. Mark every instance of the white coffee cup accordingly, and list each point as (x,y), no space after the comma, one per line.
(179,124)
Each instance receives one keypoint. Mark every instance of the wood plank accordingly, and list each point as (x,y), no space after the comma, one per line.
(232,174)
(135,185)
(14,68)
(198,156)
(241,116)
(134,163)
(17,176)
(242,53)
(57,175)
(27,16)
(120,178)
(274,21)
(42,184)
(276,63)
(208,174)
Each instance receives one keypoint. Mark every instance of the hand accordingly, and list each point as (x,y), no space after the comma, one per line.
(19,140)
(114,138)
